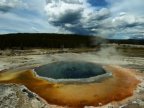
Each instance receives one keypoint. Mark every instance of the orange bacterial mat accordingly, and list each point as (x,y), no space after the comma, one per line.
(115,88)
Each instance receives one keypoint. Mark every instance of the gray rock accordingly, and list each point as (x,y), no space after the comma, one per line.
(134,104)
(18,96)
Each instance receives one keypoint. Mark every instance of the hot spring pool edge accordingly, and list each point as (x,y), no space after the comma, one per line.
(99,71)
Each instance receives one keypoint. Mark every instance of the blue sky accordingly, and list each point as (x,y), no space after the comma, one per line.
(120,19)
(98,3)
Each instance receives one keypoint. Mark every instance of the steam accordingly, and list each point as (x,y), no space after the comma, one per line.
(108,55)
(109,52)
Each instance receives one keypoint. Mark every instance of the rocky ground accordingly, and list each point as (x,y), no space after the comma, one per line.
(18,96)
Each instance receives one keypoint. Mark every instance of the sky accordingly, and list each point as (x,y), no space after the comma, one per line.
(118,19)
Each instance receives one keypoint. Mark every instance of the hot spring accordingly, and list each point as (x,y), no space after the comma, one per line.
(75,83)
(71,71)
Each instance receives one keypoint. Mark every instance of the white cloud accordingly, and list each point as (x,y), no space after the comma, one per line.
(25,16)
(5,5)
(76,16)
(9,3)
(130,6)
(127,18)
(14,23)
(79,17)
(124,20)
(119,17)
(57,11)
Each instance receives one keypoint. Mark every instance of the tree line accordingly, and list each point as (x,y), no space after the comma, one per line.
(44,40)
